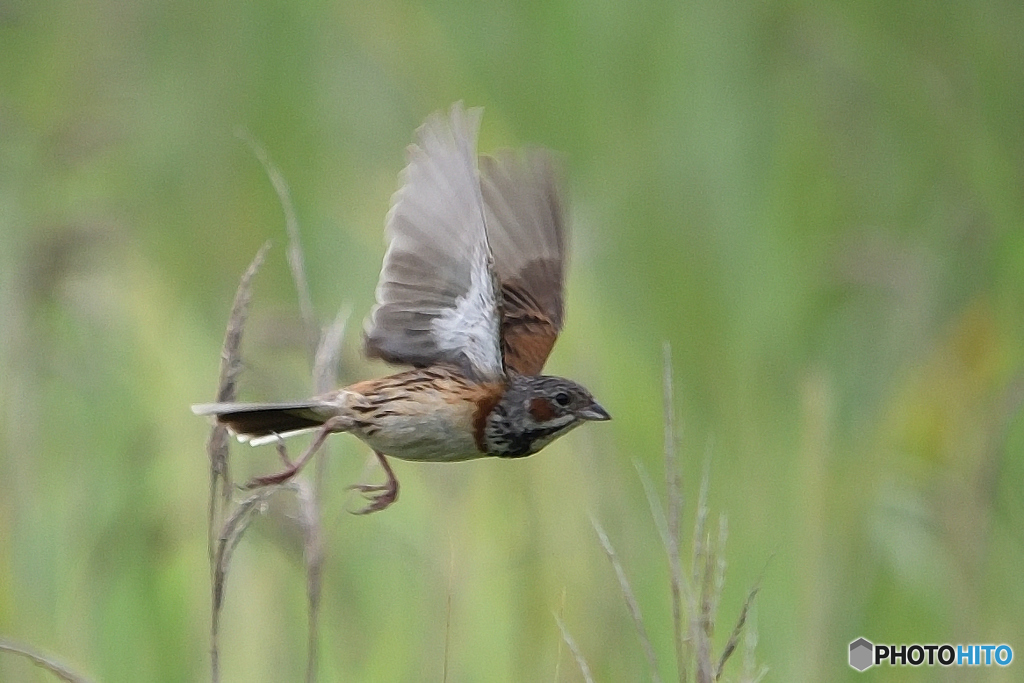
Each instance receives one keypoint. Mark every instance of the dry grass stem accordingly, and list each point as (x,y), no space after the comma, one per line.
(324,352)
(631,602)
(230,535)
(227,389)
(720,564)
(704,629)
(325,361)
(291,223)
(696,594)
(217,449)
(737,631)
(313,556)
(654,503)
(42,661)
(324,356)
(751,672)
(700,524)
(575,650)
(674,493)
(558,654)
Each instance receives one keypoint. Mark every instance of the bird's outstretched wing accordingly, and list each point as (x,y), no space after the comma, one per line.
(526,232)
(438,299)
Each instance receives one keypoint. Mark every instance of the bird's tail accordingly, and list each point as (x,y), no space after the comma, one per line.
(260,423)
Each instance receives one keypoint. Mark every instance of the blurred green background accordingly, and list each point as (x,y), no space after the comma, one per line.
(818,204)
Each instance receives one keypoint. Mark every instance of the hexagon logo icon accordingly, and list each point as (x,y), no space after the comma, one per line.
(861,654)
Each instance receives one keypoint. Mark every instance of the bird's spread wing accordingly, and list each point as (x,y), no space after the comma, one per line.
(438,299)
(526,232)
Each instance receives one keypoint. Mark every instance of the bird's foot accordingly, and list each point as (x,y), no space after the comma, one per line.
(379,496)
(335,424)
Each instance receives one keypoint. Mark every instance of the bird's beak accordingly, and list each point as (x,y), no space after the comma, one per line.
(594,412)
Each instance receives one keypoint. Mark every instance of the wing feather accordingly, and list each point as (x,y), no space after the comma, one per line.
(526,233)
(438,297)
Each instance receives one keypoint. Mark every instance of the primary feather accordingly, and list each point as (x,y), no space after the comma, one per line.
(437,300)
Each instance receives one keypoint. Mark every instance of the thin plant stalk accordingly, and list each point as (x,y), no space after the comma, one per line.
(43,661)
(291,223)
(673,487)
(227,389)
(631,602)
(325,362)
(577,654)
(217,448)
(696,594)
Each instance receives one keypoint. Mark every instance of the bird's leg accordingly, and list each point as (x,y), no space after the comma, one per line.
(282,451)
(334,424)
(379,495)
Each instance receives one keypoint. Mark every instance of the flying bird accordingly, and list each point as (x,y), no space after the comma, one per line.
(471,296)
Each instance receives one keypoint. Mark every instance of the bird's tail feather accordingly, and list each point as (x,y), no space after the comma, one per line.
(260,423)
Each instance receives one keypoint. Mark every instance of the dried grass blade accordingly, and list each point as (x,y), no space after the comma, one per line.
(325,360)
(574,648)
(313,556)
(631,602)
(737,631)
(217,449)
(43,661)
(227,388)
(291,223)
(674,493)
(230,535)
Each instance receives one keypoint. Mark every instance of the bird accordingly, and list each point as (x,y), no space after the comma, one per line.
(470,297)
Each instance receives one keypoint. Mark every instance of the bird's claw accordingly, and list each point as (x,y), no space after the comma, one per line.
(272,479)
(378,496)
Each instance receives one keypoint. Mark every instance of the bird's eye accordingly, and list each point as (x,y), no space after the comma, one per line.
(562,398)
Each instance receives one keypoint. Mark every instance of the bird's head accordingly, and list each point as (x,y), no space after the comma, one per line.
(534,411)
